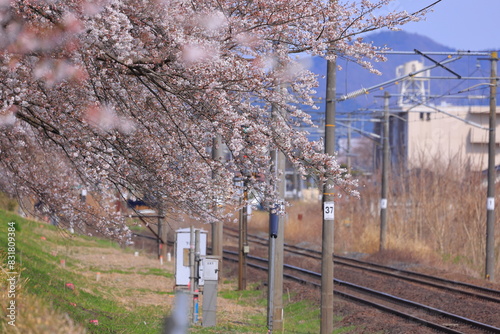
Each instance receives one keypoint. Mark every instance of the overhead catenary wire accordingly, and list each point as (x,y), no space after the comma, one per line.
(474,73)
(383,84)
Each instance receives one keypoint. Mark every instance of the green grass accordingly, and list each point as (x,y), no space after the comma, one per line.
(112,271)
(345,330)
(47,281)
(301,317)
(243,296)
(304,317)
(147,272)
(157,272)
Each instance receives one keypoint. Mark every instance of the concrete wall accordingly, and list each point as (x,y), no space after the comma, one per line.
(445,138)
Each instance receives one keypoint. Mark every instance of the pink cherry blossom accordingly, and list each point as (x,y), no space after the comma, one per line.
(126,97)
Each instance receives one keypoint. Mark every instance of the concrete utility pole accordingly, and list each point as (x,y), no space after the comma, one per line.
(197,256)
(328,205)
(349,162)
(276,242)
(218,226)
(192,273)
(385,171)
(490,202)
(162,236)
(243,240)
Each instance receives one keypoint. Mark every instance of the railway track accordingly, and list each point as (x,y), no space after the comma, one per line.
(419,312)
(424,279)
(428,316)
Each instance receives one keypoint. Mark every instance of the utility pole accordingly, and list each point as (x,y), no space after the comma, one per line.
(159,241)
(490,201)
(162,237)
(217,226)
(197,259)
(273,234)
(192,273)
(385,171)
(276,243)
(328,205)
(349,163)
(243,239)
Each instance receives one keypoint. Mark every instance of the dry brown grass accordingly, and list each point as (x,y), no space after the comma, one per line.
(437,214)
(32,314)
(35,316)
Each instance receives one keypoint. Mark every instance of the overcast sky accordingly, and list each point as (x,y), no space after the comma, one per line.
(460,24)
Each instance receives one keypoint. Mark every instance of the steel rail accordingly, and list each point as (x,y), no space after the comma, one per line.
(362,265)
(484,293)
(377,294)
(364,290)
(442,283)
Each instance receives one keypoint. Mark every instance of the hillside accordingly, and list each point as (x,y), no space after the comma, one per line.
(102,288)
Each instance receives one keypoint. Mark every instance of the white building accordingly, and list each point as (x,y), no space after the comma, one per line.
(422,134)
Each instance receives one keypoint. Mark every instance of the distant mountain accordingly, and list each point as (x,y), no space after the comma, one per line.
(353,77)
(405,41)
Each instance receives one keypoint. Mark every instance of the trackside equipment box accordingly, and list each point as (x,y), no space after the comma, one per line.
(182,241)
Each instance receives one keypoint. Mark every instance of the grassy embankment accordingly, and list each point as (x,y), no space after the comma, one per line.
(124,293)
(58,282)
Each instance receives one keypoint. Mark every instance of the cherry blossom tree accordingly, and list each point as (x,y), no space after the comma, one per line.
(121,95)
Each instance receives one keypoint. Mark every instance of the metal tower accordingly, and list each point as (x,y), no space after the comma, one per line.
(416,88)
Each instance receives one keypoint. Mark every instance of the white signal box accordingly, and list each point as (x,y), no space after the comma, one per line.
(182,246)
(210,269)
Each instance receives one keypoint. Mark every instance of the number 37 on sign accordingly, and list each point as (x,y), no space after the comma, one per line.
(329,211)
